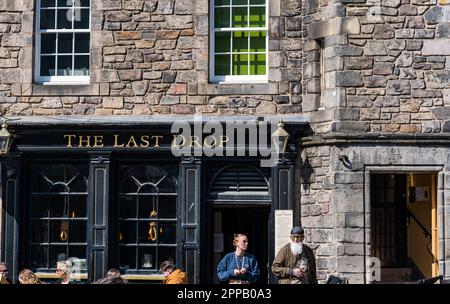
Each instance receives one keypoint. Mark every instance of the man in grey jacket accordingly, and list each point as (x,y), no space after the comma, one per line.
(295,262)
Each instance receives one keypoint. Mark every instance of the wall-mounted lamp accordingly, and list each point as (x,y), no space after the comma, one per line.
(280,138)
(5,139)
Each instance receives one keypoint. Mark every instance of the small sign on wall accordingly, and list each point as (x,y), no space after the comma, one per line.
(419,194)
(283,226)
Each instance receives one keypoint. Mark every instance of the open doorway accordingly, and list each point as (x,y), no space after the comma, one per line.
(404,225)
(249,220)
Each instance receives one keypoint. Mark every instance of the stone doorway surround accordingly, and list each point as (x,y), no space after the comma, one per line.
(439,170)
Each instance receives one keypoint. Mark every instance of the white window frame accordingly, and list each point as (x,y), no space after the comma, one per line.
(239,79)
(59,79)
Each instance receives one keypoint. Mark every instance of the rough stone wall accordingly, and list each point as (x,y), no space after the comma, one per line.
(335,201)
(400,82)
(150,57)
(392,75)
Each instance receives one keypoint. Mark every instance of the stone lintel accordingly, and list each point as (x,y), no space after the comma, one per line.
(332,27)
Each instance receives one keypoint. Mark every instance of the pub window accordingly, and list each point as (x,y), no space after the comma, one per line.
(58,216)
(239,41)
(62,41)
(147,232)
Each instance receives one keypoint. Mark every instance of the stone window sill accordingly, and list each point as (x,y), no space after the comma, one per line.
(242,89)
(79,89)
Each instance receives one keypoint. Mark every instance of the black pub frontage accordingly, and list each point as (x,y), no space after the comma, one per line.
(112,192)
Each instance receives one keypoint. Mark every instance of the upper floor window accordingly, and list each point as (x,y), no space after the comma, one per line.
(239,41)
(62,41)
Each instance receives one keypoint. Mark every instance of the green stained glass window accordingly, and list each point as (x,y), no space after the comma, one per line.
(222,42)
(257,64)
(240,16)
(221,2)
(239,49)
(222,65)
(258,41)
(257,16)
(222,17)
(240,42)
(240,64)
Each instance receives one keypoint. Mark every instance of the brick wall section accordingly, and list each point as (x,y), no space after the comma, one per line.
(150,57)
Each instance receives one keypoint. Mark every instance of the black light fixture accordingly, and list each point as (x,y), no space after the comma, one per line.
(280,138)
(5,139)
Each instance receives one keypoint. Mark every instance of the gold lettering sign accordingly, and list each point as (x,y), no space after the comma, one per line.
(141,141)
(115,141)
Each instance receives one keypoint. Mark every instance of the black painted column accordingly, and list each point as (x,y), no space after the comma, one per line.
(98,202)
(189,210)
(11,173)
(283,194)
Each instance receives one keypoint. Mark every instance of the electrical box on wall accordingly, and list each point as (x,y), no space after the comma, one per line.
(419,194)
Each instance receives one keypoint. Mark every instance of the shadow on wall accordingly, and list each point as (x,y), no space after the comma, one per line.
(305,172)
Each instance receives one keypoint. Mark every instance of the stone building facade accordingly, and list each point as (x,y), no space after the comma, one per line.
(371,78)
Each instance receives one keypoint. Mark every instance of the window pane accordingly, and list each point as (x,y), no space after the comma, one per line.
(240,42)
(239,16)
(240,64)
(47,3)
(64,19)
(257,16)
(78,206)
(257,64)
(148,232)
(167,233)
(127,207)
(39,231)
(253,2)
(147,204)
(38,257)
(47,19)
(78,252)
(48,43)
(64,66)
(222,65)
(81,19)
(147,257)
(57,254)
(65,43)
(222,17)
(127,258)
(64,3)
(222,42)
(257,41)
(59,231)
(166,253)
(77,231)
(82,43)
(167,207)
(84,3)
(81,66)
(221,2)
(48,66)
(240,2)
(127,232)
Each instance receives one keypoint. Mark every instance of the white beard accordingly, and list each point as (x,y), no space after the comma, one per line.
(296,248)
